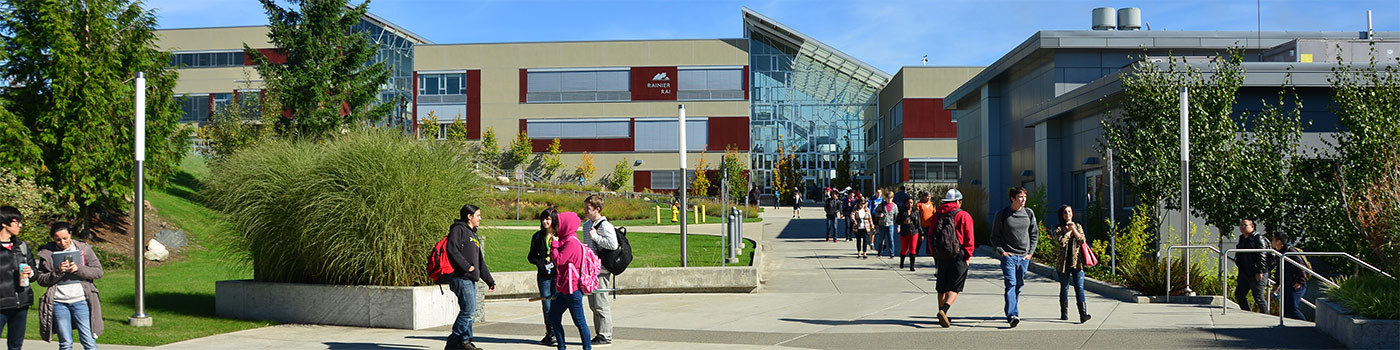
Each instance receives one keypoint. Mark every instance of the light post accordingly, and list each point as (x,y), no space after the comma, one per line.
(685,187)
(1185,183)
(140,319)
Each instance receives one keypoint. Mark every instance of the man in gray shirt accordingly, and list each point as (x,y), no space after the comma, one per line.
(600,234)
(1014,234)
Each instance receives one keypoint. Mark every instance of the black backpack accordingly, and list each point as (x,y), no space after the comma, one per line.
(616,261)
(945,243)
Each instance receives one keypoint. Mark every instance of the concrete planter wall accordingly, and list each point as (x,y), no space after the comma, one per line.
(1096,286)
(433,306)
(1356,332)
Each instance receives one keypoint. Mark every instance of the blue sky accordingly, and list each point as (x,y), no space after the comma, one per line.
(887,34)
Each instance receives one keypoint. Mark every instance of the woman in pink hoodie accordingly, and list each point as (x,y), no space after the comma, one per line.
(569,257)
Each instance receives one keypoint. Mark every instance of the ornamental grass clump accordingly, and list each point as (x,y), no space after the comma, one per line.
(364,208)
(1369,295)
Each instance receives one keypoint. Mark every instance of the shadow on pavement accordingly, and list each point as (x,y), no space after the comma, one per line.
(1273,337)
(905,322)
(370,346)
(804,229)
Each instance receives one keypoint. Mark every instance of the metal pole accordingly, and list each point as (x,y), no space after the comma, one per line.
(1112,218)
(685,187)
(140,319)
(1280,285)
(1185,184)
(723,205)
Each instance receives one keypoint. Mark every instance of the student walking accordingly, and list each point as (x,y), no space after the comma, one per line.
(847,207)
(468,266)
(833,213)
(926,209)
(71,298)
(15,276)
(861,220)
(1252,267)
(540,245)
(885,217)
(1070,262)
(1014,237)
(909,232)
(952,264)
(796,204)
(574,265)
(599,235)
(1295,281)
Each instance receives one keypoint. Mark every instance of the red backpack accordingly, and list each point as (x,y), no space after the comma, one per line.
(438,263)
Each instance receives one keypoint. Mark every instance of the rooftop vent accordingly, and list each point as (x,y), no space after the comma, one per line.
(1105,18)
(1129,18)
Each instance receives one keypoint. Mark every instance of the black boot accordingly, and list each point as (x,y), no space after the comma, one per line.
(1064,310)
(911,263)
(1083,313)
(901,262)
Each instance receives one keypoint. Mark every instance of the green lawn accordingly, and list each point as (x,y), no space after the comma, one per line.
(629,223)
(506,250)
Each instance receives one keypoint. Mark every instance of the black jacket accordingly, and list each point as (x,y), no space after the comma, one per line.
(539,255)
(908,224)
(1252,263)
(464,249)
(1293,274)
(12,296)
(833,207)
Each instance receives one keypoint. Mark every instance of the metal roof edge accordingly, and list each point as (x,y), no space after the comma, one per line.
(1026,47)
(746,11)
(578,41)
(410,34)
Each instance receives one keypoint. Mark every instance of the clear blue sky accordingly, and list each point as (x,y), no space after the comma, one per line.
(887,34)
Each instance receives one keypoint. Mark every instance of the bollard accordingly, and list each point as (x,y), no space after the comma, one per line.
(658,215)
(703,219)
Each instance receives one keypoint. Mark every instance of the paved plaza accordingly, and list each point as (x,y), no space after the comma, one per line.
(817,295)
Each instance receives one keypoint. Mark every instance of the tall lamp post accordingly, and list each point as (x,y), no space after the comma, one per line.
(685,187)
(140,319)
(1185,182)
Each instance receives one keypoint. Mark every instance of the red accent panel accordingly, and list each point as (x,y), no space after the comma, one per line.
(275,56)
(654,83)
(524,83)
(641,180)
(415,103)
(474,104)
(926,118)
(904,168)
(746,82)
(725,131)
(523,127)
(584,145)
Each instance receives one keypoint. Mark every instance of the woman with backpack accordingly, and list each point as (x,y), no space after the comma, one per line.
(909,230)
(1070,261)
(544,266)
(576,273)
(860,220)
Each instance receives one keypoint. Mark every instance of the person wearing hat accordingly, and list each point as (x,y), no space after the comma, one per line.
(952,273)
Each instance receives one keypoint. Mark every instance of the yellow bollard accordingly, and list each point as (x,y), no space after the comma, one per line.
(703,219)
(658,215)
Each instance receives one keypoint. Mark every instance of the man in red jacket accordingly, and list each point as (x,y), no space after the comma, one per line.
(952,273)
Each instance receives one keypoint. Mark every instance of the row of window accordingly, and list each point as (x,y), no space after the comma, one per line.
(615,85)
(669,179)
(933,171)
(207,59)
(197,108)
(651,135)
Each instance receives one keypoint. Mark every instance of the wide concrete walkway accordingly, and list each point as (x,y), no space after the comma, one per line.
(817,295)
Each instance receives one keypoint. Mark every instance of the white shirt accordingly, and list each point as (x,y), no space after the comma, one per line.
(70,289)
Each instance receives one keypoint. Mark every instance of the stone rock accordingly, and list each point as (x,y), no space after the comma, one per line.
(155,251)
(172,238)
(503,179)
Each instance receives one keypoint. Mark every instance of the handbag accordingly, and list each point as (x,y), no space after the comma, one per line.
(1089,258)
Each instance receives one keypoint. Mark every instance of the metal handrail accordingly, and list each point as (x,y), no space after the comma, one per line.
(1225,283)
(1284,257)
(1188,267)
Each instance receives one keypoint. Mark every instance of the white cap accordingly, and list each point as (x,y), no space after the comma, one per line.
(953,195)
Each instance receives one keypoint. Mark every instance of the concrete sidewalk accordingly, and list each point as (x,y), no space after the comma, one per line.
(817,295)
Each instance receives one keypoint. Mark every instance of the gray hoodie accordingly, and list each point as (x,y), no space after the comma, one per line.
(1014,232)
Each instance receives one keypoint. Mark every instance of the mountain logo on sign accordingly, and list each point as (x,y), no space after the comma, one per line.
(661,77)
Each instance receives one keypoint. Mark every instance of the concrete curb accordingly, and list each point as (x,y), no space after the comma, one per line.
(1100,287)
(1354,331)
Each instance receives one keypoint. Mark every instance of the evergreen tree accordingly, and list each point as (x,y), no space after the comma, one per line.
(329,79)
(489,152)
(68,111)
(843,167)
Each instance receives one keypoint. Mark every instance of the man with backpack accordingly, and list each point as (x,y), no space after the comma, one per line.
(951,244)
(1014,234)
(601,237)
(463,249)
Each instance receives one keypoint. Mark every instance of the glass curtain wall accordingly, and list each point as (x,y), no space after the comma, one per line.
(396,51)
(810,106)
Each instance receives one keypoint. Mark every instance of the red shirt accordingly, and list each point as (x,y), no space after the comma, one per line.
(963,224)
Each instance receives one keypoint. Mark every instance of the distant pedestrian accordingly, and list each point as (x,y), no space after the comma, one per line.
(864,225)
(848,206)
(833,215)
(571,261)
(1014,236)
(1070,262)
(468,266)
(952,266)
(599,234)
(885,217)
(909,231)
(927,208)
(900,198)
(71,298)
(16,260)
(796,204)
(1294,282)
(540,245)
(1252,267)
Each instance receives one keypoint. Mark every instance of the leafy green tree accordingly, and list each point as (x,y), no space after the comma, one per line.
(843,167)
(621,175)
(520,149)
(700,185)
(552,160)
(69,100)
(586,168)
(457,132)
(428,127)
(1366,103)
(329,79)
(489,151)
(738,182)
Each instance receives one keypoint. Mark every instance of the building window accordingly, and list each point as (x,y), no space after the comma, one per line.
(207,59)
(897,113)
(662,135)
(222,99)
(933,171)
(669,179)
(579,128)
(710,84)
(578,86)
(251,101)
(450,88)
(195,108)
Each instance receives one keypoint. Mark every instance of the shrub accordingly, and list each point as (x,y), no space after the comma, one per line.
(621,175)
(1369,295)
(361,209)
(1150,277)
(32,200)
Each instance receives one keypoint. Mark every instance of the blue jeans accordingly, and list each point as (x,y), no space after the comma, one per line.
(887,236)
(466,301)
(67,315)
(831,228)
(546,295)
(1013,270)
(15,319)
(1290,308)
(573,303)
(1073,278)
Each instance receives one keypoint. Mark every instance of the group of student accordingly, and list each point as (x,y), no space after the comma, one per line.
(568,271)
(66,267)
(1255,268)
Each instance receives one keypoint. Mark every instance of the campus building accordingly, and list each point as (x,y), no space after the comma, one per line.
(773,88)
